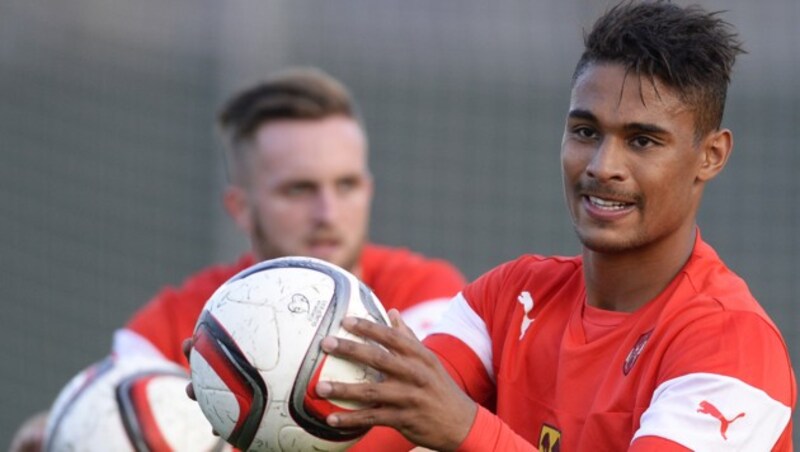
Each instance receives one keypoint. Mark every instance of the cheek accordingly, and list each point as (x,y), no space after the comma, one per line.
(669,195)
(357,209)
(571,171)
(572,164)
(282,216)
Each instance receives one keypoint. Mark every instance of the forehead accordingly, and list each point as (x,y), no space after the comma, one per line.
(611,92)
(312,149)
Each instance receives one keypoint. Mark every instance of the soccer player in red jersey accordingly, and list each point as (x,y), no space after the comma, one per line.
(644,342)
(300,185)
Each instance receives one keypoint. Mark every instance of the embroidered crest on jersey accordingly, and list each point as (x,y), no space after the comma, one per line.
(708,408)
(549,439)
(527,305)
(633,355)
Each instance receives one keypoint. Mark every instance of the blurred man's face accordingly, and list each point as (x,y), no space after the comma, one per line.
(309,191)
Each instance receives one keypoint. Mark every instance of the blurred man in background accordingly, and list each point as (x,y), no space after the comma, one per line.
(300,184)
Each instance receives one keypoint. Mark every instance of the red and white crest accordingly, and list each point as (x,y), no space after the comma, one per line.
(633,355)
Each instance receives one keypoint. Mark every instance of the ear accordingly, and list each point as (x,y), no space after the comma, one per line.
(716,149)
(236,203)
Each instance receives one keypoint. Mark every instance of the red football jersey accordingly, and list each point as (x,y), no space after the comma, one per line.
(401,279)
(701,366)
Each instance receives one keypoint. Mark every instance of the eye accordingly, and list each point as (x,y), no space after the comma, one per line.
(584,132)
(642,141)
(298,189)
(348,184)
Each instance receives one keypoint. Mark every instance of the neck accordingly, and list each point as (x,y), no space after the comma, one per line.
(356,270)
(626,281)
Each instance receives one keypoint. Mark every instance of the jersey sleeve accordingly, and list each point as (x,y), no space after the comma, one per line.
(127,343)
(489,433)
(402,279)
(465,342)
(428,294)
(439,280)
(416,286)
(169,317)
(725,383)
(165,321)
(487,297)
(655,444)
(472,315)
(384,439)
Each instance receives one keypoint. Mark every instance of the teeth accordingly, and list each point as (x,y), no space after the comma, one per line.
(609,205)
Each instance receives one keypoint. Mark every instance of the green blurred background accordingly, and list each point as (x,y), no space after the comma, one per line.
(110,171)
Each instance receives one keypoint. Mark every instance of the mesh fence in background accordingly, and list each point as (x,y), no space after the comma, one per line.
(110,172)
(106,174)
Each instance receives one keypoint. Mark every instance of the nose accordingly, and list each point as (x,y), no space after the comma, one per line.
(326,206)
(607,162)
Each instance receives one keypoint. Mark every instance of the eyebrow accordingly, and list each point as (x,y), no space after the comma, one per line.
(630,127)
(644,127)
(582,114)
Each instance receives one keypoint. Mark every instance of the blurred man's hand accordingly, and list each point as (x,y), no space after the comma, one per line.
(30,436)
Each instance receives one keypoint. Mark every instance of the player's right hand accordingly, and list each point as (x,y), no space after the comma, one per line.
(30,436)
(417,397)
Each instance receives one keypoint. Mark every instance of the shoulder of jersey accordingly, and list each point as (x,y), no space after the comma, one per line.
(210,278)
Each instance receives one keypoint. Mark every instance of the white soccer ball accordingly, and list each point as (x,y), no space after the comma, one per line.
(256,358)
(131,404)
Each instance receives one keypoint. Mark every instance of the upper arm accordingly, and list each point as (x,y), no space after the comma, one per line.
(463,345)
(166,320)
(655,444)
(726,383)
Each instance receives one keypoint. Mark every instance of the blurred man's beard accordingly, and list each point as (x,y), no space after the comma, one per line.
(267,249)
(351,260)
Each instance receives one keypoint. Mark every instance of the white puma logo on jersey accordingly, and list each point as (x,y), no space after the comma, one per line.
(527,305)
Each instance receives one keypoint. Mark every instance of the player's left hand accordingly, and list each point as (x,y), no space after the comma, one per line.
(417,397)
(186,347)
(30,436)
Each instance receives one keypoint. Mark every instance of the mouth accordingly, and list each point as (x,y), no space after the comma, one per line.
(606,209)
(323,246)
(606,204)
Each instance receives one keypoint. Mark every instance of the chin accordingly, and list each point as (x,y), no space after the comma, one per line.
(604,247)
(335,257)
(607,242)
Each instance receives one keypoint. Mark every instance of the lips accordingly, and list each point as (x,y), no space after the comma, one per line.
(324,240)
(607,204)
(606,209)
(323,246)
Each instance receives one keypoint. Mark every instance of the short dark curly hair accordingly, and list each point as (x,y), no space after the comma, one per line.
(687,48)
